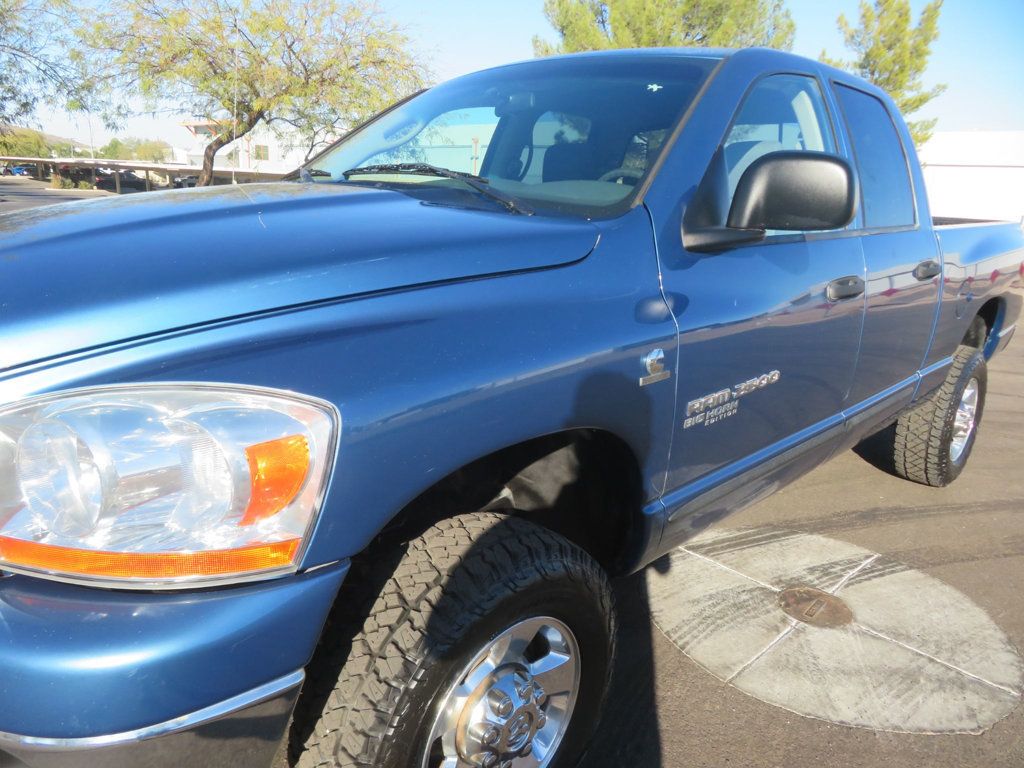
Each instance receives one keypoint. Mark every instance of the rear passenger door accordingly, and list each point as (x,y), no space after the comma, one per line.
(903,274)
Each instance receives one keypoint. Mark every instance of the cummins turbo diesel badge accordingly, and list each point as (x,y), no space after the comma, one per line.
(722,404)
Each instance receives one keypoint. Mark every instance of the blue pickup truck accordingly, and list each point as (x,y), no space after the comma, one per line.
(334,471)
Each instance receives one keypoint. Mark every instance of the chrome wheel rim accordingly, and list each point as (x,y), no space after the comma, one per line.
(510,707)
(965,421)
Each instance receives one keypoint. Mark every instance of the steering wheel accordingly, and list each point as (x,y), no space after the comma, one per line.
(619,175)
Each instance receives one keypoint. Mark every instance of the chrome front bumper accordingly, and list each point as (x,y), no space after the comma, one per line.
(245,730)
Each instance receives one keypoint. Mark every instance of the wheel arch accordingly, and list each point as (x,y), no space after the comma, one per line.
(583,483)
(992,314)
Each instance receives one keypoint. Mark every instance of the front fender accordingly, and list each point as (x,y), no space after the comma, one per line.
(428,380)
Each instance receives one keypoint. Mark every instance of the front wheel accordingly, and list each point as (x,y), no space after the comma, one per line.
(488,646)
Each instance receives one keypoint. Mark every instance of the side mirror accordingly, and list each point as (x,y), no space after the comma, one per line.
(795,191)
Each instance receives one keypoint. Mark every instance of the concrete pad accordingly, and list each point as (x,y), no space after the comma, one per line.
(915,610)
(916,656)
(728,619)
(781,558)
(850,677)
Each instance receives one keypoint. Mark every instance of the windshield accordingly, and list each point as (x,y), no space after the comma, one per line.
(574,135)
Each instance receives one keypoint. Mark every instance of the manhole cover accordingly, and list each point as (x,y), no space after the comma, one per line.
(814,607)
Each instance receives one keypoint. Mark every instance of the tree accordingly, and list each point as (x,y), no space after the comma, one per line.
(23,142)
(33,56)
(114,150)
(321,65)
(587,25)
(151,150)
(893,54)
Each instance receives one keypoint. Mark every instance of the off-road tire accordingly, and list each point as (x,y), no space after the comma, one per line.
(924,433)
(406,625)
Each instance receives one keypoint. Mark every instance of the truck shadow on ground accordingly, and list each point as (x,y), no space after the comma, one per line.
(627,736)
(876,450)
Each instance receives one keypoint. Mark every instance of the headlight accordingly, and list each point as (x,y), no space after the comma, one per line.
(157,486)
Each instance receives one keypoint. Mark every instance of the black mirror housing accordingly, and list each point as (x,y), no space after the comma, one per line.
(796,191)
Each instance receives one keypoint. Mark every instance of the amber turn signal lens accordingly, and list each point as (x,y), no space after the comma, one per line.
(278,469)
(147,565)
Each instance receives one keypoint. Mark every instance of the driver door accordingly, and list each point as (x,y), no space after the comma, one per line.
(766,358)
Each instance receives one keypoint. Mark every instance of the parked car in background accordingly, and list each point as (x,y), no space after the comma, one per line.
(337,470)
(78,174)
(129,181)
(185,182)
(23,170)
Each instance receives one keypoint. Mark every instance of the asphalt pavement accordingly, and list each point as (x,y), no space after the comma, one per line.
(960,556)
(18,192)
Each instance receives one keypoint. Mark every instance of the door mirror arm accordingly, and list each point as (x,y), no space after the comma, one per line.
(712,239)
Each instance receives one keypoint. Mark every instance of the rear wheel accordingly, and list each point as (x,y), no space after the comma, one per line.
(934,439)
(488,646)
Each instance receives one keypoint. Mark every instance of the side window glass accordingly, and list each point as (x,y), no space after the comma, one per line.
(782,112)
(886,195)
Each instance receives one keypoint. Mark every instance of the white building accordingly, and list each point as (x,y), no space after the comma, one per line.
(975,174)
(261,149)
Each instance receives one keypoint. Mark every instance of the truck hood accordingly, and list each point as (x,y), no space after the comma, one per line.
(81,275)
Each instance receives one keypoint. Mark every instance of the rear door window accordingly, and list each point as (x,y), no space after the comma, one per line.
(887,197)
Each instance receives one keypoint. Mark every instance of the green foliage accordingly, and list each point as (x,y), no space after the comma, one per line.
(34,64)
(136,149)
(61,182)
(23,142)
(893,54)
(320,65)
(588,25)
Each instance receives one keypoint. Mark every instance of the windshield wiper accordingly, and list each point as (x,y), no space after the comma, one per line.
(479,183)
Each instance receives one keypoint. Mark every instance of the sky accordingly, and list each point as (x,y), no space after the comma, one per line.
(978,56)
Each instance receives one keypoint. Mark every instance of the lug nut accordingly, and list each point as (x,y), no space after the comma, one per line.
(542,719)
(484,733)
(488,760)
(500,702)
(538,692)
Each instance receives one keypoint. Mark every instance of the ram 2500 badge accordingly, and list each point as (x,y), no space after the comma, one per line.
(333,471)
